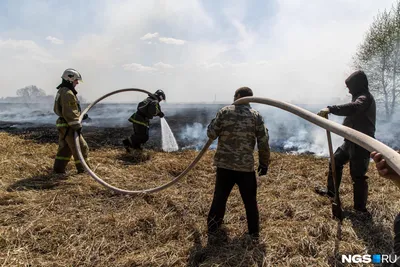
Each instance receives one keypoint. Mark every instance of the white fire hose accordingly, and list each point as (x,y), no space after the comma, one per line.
(124,191)
(371,144)
(367,142)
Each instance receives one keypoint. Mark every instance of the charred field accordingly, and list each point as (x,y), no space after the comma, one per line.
(109,135)
(51,220)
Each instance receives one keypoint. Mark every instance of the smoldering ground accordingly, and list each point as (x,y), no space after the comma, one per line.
(109,125)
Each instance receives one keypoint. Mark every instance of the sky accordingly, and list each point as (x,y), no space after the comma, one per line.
(196,51)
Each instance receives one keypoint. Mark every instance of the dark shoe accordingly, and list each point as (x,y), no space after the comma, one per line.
(60,176)
(255,237)
(79,167)
(363,213)
(217,237)
(60,166)
(127,145)
(324,192)
(361,209)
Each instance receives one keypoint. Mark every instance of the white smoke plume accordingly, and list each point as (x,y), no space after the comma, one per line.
(287,132)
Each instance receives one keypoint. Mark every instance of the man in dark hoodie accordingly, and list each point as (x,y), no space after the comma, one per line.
(146,110)
(360,115)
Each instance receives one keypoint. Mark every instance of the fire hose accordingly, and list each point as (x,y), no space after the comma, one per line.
(369,143)
(124,191)
(363,140)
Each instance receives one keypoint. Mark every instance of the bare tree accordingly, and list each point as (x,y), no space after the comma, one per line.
(30,91)
(378,56)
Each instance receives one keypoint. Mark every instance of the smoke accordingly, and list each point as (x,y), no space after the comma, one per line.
(287,132)
(27,113)
(110,115)
(196,135)
(388,132)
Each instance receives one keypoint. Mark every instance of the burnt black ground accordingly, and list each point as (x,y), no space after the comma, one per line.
(100,137)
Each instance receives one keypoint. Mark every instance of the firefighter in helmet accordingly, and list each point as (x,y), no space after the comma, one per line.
(146,110)
(67,107)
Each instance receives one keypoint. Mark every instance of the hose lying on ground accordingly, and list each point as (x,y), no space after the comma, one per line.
(124,191)
(369,143)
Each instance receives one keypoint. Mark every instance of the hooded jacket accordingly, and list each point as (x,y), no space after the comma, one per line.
(361,111)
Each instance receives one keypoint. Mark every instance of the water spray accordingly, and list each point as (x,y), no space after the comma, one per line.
(168,139)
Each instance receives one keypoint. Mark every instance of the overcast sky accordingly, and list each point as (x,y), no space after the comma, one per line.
(195,51)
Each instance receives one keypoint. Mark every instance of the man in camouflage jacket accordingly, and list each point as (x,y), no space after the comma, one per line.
(237,128)
(67,107)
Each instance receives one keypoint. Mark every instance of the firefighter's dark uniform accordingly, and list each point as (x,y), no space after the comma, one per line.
(67,107)
(146,110)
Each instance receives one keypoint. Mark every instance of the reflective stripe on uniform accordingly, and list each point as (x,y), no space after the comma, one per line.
(77,161)
(62,125)
(138,122)
(62,158)
(131,119)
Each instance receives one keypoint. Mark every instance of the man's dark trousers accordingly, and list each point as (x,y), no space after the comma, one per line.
(359,161)
(247,184)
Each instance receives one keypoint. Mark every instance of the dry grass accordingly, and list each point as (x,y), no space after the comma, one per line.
(47,220)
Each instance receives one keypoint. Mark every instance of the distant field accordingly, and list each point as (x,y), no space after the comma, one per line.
(48,220)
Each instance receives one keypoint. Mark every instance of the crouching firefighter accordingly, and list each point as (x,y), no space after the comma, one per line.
(146,110)
(67,107)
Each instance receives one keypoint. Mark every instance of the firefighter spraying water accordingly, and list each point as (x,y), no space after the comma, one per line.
(146,110)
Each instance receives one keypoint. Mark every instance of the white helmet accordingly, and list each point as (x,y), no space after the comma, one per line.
(71,75)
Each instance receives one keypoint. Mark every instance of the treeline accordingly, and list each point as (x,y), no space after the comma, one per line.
(32,94)
(379,57)
(29,94)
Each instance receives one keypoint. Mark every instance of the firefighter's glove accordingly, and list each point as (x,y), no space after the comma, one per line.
(324,112)
(161,114)
(85,117)
(262,170)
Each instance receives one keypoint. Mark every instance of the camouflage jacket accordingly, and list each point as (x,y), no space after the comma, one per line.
(67,107)
(146,110)
(237,128)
